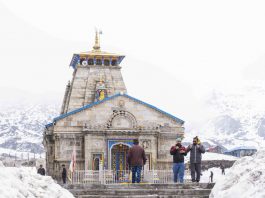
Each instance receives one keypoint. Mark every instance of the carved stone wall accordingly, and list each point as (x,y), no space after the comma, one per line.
(120,118)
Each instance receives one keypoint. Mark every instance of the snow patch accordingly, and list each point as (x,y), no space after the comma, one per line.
(25,182)
(217,175)
(245,179)
(217,156)
(213,156)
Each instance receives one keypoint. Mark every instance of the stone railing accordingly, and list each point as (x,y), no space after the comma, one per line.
(125,176)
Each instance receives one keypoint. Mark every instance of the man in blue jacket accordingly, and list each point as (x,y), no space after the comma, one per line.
(195,149)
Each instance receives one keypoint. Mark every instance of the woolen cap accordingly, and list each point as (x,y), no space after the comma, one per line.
(178,139)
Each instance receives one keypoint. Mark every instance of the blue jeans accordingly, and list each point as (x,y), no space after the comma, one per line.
(136,174)
(178,170)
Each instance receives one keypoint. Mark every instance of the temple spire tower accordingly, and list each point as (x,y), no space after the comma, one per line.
(96,47)
(96,76)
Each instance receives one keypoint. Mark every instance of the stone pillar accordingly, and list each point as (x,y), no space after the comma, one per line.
(87,152)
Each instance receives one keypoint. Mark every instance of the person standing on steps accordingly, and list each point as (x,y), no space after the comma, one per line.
(136,160)
(178,151)
(195,149)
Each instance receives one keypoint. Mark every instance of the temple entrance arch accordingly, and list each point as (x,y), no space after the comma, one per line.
(118,155)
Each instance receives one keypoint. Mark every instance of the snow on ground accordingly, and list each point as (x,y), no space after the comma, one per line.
(245,179)
(217,156)
(213,156)
(217,175)
(25,182)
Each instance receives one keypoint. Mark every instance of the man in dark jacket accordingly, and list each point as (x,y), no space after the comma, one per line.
(178,151)
(64,174)
(136,159)
(195,149)
(41,170)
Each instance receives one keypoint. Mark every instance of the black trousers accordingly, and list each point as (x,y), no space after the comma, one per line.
(64,180)
(195,169)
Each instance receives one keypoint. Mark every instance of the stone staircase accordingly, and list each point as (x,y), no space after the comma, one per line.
(188,190)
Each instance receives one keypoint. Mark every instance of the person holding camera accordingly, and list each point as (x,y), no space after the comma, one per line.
(195,149)
(178,151)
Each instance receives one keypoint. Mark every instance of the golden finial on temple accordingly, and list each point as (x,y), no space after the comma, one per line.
(96,47)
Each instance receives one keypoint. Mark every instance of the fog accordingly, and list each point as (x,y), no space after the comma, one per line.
(177,52)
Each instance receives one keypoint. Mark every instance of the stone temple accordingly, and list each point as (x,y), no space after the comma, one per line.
(101,120)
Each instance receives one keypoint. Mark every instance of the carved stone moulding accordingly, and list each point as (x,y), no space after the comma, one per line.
(122,119)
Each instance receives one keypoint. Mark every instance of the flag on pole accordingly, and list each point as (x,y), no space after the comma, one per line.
(72,164)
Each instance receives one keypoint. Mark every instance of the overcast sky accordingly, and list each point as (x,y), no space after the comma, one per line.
(177,52)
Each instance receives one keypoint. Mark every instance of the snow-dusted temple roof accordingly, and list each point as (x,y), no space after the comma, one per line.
(110,98)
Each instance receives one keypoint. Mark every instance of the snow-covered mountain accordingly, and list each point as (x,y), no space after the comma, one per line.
(22,125)
(238,117)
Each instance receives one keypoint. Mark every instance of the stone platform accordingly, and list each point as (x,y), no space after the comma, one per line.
(188,190)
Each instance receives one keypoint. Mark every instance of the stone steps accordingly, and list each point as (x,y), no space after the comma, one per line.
(142,185)
(190,190)
(124,192)
(144,196)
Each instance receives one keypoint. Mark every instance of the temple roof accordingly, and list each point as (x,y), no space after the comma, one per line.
(95,53)
(99,53)
(110,98)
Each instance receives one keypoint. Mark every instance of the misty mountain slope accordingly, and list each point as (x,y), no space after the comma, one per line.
(239,118)
(21,126)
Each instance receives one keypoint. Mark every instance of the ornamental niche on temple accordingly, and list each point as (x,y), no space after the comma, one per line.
(101,120)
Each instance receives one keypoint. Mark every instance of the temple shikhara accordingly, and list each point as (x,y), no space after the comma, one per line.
(101,120)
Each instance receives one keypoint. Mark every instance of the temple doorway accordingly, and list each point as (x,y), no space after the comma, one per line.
(118,157)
